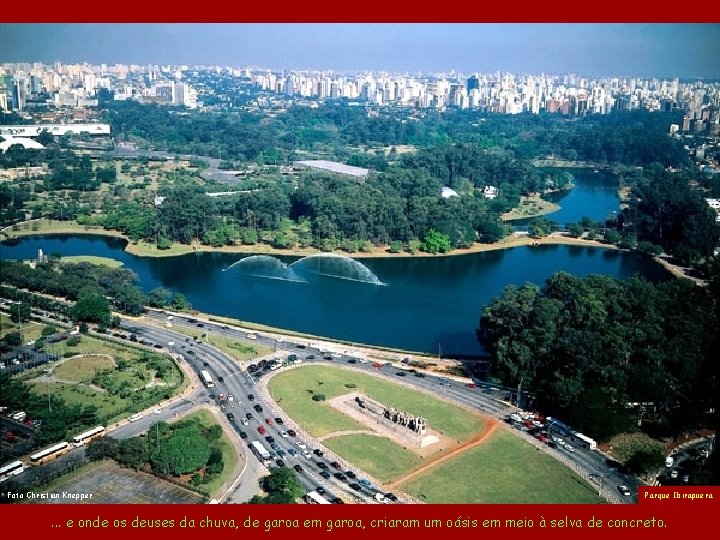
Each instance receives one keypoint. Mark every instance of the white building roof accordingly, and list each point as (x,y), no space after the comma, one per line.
(24,142)
(448,192)
(334,166)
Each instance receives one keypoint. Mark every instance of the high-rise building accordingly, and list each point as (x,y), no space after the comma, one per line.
(19,94)
(473,83)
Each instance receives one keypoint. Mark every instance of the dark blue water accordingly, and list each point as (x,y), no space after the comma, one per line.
(426,303)
(594,196)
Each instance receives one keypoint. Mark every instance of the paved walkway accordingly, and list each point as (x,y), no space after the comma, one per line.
(321,438)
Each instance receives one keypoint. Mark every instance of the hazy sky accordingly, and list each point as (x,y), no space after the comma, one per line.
(662,50)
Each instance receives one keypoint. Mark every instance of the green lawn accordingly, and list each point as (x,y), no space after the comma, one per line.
(503,470)
(103,261)
(83,368)
(30,331)
(237,349)
(109,407)
(380,457)
(90,345)
(230,456)
(293,390)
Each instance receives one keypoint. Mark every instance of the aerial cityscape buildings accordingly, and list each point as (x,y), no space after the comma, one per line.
(26,88)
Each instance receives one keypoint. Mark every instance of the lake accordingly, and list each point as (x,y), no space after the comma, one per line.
(427,304)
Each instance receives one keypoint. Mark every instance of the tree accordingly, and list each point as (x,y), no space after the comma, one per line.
(84,328)
(133,452)
(160,297)
(282,485)
(435,242)
(49,330)
(20,312)
(13,339)
(185,451)
(45,138)
(103,448)
(180,303)
(92,307)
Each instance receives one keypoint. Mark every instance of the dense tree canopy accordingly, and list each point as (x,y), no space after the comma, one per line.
(590,346)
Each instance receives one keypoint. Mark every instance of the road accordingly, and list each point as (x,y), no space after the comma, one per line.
(232,379)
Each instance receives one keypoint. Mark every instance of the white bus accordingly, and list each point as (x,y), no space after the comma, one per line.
(89,435)
(207,379)
(11,469)
(260,451)
(585,441)
(313,497)
(50,453)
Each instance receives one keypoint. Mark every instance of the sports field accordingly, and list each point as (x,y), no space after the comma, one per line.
(293,391)
(504,469)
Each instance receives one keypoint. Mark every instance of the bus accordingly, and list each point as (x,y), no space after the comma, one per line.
(11,469)
(260,451)
(207,379)
(89,435)
(50,453)
(313,497)
(585,441)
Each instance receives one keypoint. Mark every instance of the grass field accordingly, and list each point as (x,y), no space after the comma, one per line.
(380,457)
(505,469)
(30,331)
(293,391)
(83,368)
(103,261)
(239,350)
(230,456)
(133,385)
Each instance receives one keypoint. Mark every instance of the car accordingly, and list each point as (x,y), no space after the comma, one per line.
(327,357)
(192,353)
(284,434)
(261,430)
(306,454)
(350,474)
(310,357)
(279,421)
(419,374)
(340,476)
(157,411)
(292,452)
(405,361)
(230,416)
(243,435)
(365,483)
(401,374)
(269,421)
(200,325)
(270,439)
(206,364)
(335,465)
(274,445)
(624,490)
(258,408)
(337,500)
(379,497)
(244,422)
(318,452)
(352,361)
(673,474)
(220,379)
(391,496)
(377,365)
(298,468)
(251,397)
(279,462)
(325,475)
(568,447)
(470,385)
(322,464)
(686,478)
(248,416)
(300,346)
(301,445)
(355,486)
(291,432)
(280,452)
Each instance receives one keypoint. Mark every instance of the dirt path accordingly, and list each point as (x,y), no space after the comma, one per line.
(490,427)
(347,432)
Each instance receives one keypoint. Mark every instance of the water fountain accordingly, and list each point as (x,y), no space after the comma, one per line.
(324,264)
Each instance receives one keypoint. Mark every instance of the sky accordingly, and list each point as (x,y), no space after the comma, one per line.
(649,50)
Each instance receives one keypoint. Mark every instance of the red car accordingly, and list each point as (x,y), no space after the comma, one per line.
(268,421)
(261,430)
(377,365)
(470,385)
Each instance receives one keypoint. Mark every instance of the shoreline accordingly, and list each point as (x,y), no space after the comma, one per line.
(142,249)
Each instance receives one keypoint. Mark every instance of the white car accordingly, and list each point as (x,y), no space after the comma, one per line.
(302,445)
(284,434)
(568,447)
(157,411)
(674,474)
(251,336)
(379,497)
(307,454)
(624,490)
(230,398)
(244,421)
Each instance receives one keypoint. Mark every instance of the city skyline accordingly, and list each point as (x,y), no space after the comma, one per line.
(647,50)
